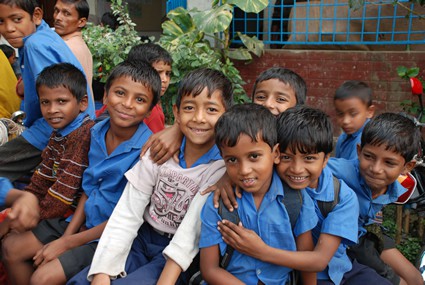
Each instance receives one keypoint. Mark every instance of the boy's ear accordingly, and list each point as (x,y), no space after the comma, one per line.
(409,166)
(82,22)
(359,150)
(105,98)
(325,161)
(37,16)
(370,111)
(176,113)
(84,103)
(276,154)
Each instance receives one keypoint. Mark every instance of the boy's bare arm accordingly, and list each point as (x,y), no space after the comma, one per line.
(211,271)
(25,212)
(164,144)
(78,218)
(101,279)
(170,273)
(305,243)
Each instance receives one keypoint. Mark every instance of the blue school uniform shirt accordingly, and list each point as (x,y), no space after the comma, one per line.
(346,146)
(341,222)
(211,155)
(104,180)
(271,222)
(41,49)
(349,172)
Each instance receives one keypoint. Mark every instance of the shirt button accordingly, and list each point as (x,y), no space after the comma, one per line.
(100,180)
(258,271)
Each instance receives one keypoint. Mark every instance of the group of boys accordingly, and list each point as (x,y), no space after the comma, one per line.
(94,211)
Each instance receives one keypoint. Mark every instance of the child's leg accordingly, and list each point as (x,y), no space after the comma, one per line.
(18,250)
(402,266)
(361,274)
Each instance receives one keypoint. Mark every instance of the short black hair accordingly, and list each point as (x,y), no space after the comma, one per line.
(81,6)
(304,129)
(194,82)
(250,119)
(7,50)
(140,72)
(287,76)
(66,75)
(108,19)
(397,132)
(150,53)
(354,89)
(26,5)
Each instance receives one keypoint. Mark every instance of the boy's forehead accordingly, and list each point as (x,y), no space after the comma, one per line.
(216,97)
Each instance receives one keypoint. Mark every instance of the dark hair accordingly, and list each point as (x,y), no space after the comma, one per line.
(305,129)
(66,75)
(195,81)
(26,5)
(286,76)
(140,72)
(354,88)
(7,50)
(250,119)
(150,53)
(81,6)
(397,132)
(108,19)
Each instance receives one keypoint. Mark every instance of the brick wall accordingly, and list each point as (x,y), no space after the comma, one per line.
(324,71)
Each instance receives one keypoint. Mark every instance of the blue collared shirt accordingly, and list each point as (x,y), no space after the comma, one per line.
(271,222)
(104,180)
(211,155)
(346,146)
(5,187)
(41,49)
(341,222)
(349,172)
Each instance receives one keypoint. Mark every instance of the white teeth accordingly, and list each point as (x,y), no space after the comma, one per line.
(299,178)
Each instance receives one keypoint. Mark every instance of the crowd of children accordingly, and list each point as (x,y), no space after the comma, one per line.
(108,203)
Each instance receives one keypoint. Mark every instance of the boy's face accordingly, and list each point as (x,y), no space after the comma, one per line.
(275,96)
(380,167)
(128,102)
(300,170)
(59,107)
(164,71)
(12,59)
(15,23)
(66,19)
(249,164)
(352,113)
(197,117)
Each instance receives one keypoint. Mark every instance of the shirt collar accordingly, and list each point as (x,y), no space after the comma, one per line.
(322,193)
(359,132)
(212,154)
(81,118)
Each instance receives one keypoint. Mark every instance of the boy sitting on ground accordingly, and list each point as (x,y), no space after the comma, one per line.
(60,248)
(246,136)
(388,145)
(61,89)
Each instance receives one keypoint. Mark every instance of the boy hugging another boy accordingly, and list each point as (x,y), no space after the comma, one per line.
(353,106)
(60,248)
(61,89)
(158,213)
(246,136)
(388,145)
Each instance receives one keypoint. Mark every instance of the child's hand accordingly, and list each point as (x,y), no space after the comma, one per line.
(224,189)
(163,145)
(101,279)
(25,212)
(50,252)
(243,240)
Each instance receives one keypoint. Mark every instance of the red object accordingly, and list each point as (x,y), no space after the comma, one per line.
(416,86)
(408,182)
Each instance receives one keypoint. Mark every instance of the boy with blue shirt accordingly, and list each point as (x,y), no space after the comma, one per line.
(305,140)
(61,248)
(246,136)
(154,230)
(389,143)
(21,24)
(354,108)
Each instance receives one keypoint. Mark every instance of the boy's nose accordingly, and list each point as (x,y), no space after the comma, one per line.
(376,167)
(199,116)
(244,168)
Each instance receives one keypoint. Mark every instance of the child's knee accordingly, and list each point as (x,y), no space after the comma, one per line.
(10,251)
(40,277)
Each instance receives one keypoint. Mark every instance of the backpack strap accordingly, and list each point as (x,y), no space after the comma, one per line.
(293,201)
(327,207)
(234,218)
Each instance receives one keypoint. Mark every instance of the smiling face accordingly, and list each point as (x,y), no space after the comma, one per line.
(380,167)
(197,117)
(249,164)
(275,96)
(301,170)
(352,113)
(59,107)
(66,19)
(15,24)
(164,71)
(128,102)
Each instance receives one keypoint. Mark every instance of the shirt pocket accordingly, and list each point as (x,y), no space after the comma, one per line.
(280,236)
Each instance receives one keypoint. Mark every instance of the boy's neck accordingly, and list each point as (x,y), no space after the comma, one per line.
(116,135)
(193,152)
(377,193)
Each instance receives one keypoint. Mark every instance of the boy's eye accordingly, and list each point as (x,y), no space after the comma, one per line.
(310,158)
(231,160)
(43,102)
(281,100)
(168,73)
(284,157)
(367,155)
(354,114)
(212,110)
(62,101)
(119,92)
(254,156)
(259,97)
(188,108)
(17,20)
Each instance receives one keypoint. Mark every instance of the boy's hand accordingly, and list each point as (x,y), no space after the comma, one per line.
(243,240)
(50,252)
(25,213)
(224,189)
(101,279)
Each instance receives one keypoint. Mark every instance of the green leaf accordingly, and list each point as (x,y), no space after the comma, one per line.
(214,20)
(401,71)
(182,18)
(172,29)
(413,72)
(356,4)
(239,54)
(253,44)
(250,6)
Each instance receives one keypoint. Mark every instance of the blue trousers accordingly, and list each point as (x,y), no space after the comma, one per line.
(144,263)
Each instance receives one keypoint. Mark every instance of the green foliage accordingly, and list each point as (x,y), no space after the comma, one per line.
(109,47)
(409,106)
